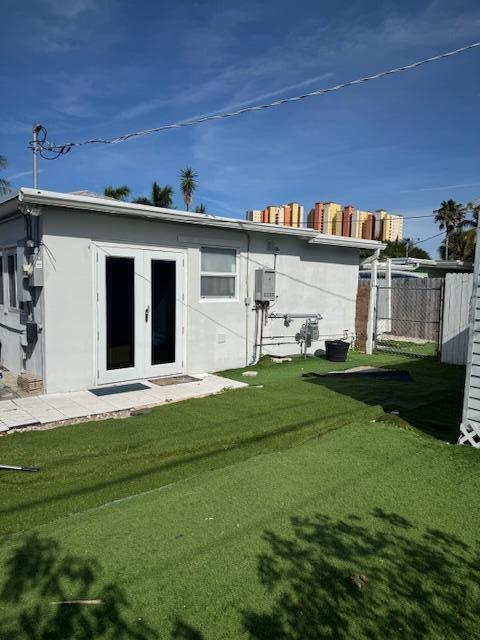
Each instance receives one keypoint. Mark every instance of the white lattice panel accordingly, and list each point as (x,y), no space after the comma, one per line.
(470,434)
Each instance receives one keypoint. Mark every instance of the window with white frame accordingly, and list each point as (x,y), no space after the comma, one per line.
(1,279)
(218,273)
(12,278)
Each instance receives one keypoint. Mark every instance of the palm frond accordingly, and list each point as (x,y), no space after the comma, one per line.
(4,186)
(117,193)
(142,200)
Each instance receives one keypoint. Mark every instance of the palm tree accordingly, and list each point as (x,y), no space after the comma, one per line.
(450,216)
(4,184)
(474,209)
(399,249)
(160,197)
(461,245)
(200,208)
(142,200)
(188,184)
(117,193)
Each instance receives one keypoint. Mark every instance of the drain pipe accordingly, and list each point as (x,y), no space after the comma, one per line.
(247,300)
(372,304)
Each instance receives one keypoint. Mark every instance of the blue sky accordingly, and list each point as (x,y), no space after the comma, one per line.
(87,68)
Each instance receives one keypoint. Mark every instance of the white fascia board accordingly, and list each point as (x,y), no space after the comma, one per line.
(75,201)
(130,209)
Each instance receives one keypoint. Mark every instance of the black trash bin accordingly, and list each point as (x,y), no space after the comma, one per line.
(336,350)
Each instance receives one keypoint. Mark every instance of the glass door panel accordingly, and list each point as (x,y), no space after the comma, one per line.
(120,310)
(163,312)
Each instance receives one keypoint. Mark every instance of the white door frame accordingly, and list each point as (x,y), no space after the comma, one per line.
(175,367)
(142,292)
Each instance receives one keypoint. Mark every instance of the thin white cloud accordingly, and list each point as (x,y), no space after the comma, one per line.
(441,188)
(21,175)
(70,8)
(151,105)
(10,126)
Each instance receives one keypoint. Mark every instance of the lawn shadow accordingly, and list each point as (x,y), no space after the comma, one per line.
(430,402)
(46,594)
(380,578)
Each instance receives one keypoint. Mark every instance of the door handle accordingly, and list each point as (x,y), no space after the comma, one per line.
(147,313)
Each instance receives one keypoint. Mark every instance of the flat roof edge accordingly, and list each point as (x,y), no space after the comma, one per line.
(129,209)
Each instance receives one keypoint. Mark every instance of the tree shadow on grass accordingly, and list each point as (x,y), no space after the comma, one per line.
(345,579)
(47,594)
(431,402)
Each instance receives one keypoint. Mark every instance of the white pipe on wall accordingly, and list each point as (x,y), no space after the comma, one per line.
(372,304)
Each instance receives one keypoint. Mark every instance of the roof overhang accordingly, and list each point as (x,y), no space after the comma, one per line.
(33,198)
(345,241)
(428,263)
(9,205)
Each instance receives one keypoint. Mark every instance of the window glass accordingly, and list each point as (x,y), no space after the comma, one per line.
(1,279)
(218,287)
(12,279)
(218,273)
(219,260)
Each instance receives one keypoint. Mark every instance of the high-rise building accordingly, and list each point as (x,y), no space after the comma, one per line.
(296,214)
(363,225)
(274,214)
(254,215)
(368,227)
(315,217)
(348,213)
(289,215)
(332,218)
(389,226)
(358,221)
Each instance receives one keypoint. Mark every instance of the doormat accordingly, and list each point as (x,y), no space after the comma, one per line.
(165,382)
(123,388)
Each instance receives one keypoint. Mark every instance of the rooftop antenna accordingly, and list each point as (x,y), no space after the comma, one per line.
(36,130)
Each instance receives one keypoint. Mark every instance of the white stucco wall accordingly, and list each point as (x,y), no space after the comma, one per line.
(310,279)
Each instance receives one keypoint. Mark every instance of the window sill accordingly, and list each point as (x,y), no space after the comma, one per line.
(202,300)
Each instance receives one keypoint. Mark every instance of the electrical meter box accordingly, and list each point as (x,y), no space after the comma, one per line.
(264,285)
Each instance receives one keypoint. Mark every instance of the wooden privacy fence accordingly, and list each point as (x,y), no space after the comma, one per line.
(456,317)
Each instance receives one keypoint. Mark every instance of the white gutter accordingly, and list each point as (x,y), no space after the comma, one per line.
(346,241)
(382,266)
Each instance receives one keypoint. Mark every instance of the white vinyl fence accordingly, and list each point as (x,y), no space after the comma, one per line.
(457,296)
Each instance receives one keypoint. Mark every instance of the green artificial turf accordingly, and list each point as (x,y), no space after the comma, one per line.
(272,547)
(86,465)
(405,347)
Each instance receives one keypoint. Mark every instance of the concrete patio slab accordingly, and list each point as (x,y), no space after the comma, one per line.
(50,409)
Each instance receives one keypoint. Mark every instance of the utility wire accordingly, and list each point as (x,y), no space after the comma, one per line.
(64,148)
(442,233)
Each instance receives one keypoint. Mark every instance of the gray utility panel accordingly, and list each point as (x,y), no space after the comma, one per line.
(264,285)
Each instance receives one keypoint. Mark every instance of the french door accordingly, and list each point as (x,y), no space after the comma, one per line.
(140,313)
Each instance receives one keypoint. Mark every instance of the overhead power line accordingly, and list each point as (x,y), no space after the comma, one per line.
(429,238)
(59,149)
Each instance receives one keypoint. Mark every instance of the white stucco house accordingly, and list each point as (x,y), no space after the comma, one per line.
(95,291)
